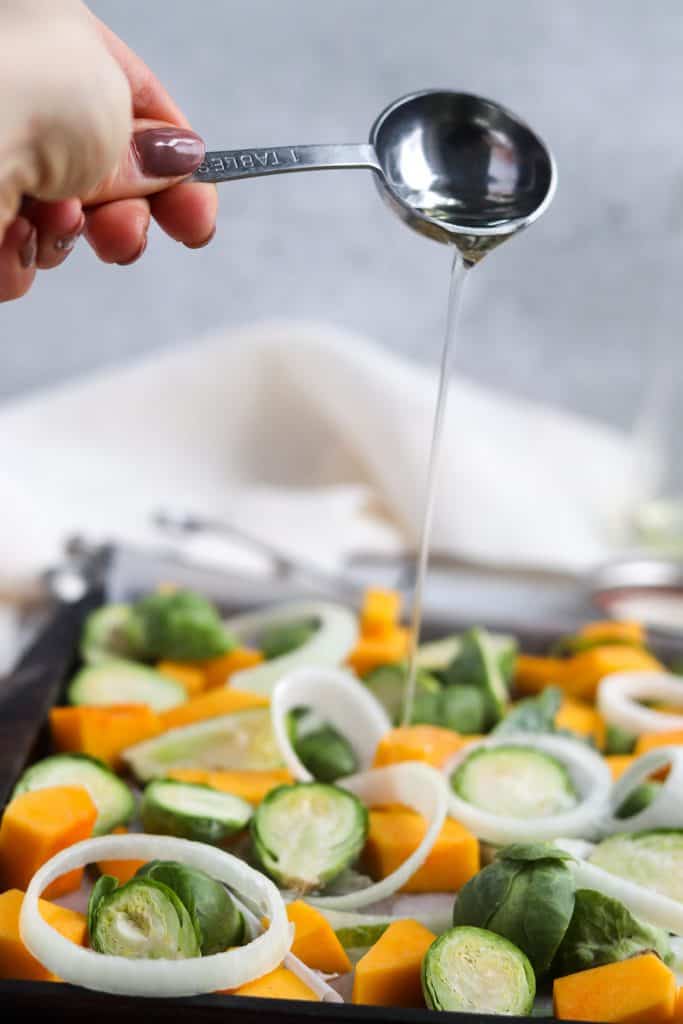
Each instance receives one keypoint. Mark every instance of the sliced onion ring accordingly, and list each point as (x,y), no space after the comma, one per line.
(338,698)
(666,810)
(650,906)
(620,692)
(414,784)
(590,775)
(335,636)
(123,976)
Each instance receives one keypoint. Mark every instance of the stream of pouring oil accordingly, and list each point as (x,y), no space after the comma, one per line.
(458,275)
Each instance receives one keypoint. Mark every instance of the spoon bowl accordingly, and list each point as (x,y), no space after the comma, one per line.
(455,167)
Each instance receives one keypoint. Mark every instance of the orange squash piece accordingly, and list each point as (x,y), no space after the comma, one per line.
(614,629)
(533,674)
(279,984)
(315,942)
(15,960)
(583,719)
(389,973)
(641,990)
(251,786)
(652,740)
(395,832)
(38,824)
(584,670)
(428,743)
(618,763)
(217,671)
(380,612)
(123,870)
(219,701)
(102,732)
(678,1008)
(371,651)
(192,678)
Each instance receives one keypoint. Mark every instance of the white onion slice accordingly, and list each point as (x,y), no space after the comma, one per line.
(589,773)
(415,785)
(666,810)
(123,976)
(619,693)
(335,636)
(650,906)
(314,979)
(338,698)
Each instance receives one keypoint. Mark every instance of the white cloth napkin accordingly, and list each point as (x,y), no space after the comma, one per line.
(315,439)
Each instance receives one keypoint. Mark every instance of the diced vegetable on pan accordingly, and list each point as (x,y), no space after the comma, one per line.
(641,990)
(222,701)
(395,832)
(278,984)
(381,611)
(191,677)
(470,969)
(15,960)
(315,942)
(192,811)
(306,834)
(102,732)
(390,972)
(37,824)
(124,682)
(121,870)
(113,798)
(429,743)
(250,786)
(217,671)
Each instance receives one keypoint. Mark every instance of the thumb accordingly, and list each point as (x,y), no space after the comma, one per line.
(159,155)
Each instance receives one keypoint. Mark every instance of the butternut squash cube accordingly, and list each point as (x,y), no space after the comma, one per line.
(123,870)
(315,941)
(618,763)
(38,824)
(652,740)
(533,673)
(217,671)
(385,649)
(395,832)
(192,678)
(380,612)
(251,786)
(584,670)
(279,984)
(389,973)
(102,732)
(641,990)
(15,960)
(219,701)
(613,629)
(428,743)
(583,719)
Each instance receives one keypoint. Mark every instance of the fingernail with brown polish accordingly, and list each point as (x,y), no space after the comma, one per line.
(200,245)
(66,244)
(168,152)
(29,250)
(138,254)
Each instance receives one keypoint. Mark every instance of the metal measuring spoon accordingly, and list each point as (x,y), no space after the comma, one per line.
(455,167)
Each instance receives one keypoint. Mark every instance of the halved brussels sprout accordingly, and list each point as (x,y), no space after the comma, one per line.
(180,625)
(192,811)
(282,637)
(125,682)
(307,833)
(143,920)
(514,781)
(212,909)
(477,664)
(470,969)
(106,635)
(243,740)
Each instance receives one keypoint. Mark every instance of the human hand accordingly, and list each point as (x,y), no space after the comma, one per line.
(90,142)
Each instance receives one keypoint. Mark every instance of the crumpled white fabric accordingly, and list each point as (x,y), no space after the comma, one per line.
(315,439)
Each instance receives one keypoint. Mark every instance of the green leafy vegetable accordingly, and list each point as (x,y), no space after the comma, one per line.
(142,919)
(216,919)
(533,714)
(305,834)
(477,665)
(473,969)
(525,895)
(602,930)
(283,637)
(181,626)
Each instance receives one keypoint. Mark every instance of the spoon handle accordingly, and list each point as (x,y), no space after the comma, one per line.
(230,164)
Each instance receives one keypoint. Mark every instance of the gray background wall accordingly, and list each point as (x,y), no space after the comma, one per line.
(569,312)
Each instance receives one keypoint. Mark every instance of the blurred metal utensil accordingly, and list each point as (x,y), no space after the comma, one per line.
(455,167)
(182,524)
